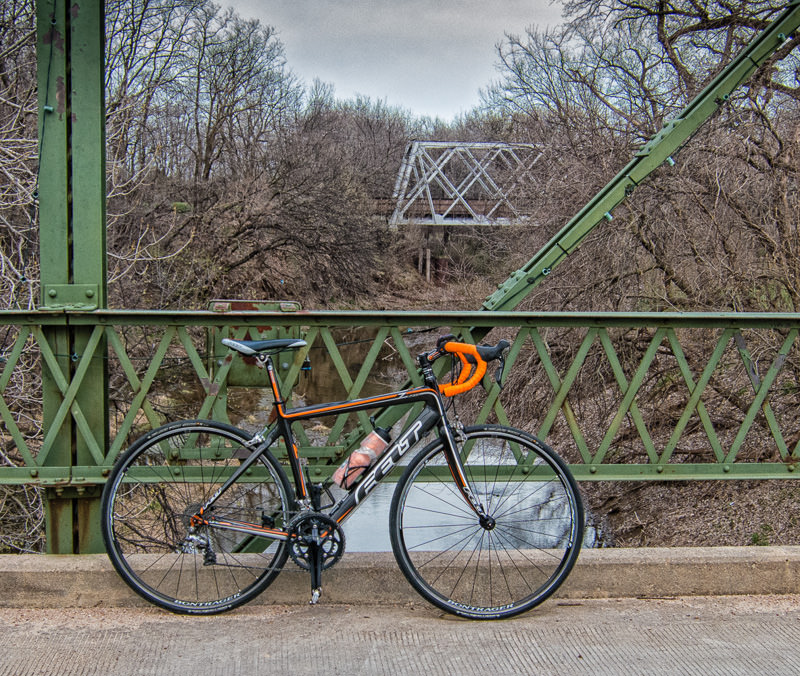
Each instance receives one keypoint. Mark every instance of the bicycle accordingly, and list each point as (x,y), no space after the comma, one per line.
(199,517)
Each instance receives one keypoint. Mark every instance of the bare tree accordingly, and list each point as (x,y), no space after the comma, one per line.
(21,513)
(603,83)
(18,155)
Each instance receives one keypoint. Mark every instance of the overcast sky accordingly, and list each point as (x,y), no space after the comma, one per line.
(428,56)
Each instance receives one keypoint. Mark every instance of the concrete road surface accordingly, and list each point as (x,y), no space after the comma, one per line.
(688,635)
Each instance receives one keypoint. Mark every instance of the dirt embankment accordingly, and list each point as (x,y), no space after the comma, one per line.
(698,513)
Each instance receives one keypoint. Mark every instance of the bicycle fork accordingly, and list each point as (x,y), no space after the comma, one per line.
(458,472)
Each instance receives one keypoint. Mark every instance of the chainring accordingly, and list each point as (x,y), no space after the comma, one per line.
(308,527)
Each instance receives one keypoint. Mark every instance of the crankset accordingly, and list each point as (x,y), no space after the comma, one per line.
(316,542)
(314,528)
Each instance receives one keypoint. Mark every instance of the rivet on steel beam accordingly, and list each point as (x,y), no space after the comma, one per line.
(34,473)
(791,467)
(608,216)
(670,162)
(48,109)
(726,468)
(660,469)
(546,271)
(593,469)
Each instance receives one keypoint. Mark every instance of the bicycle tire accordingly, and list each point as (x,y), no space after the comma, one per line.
(161,481)
(509,566)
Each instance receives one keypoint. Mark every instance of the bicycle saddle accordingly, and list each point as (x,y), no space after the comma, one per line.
(250,347)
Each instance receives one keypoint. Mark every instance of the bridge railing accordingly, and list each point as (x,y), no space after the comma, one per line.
(621,396)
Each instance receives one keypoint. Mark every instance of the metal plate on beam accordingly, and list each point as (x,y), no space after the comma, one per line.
(71,297)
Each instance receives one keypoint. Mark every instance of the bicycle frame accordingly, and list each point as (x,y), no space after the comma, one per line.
(432,415)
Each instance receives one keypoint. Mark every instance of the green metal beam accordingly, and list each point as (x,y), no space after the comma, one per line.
(72,250)
(653,155)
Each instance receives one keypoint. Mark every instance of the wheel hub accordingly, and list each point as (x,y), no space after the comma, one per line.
(488,523)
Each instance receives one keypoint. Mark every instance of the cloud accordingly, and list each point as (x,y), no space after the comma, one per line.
(431,57)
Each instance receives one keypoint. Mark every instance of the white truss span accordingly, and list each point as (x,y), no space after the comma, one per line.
(443,183)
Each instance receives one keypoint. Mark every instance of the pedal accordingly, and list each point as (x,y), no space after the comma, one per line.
(315,594)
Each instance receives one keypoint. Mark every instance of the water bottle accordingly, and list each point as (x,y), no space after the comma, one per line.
(373,445)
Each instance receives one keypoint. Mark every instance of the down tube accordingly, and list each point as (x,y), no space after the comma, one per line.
(423,424)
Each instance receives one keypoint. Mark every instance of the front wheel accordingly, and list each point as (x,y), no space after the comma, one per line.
(148,508)
(511,561)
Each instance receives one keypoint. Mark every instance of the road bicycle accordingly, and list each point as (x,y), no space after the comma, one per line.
(485,522)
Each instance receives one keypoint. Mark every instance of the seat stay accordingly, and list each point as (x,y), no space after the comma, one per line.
(259,444)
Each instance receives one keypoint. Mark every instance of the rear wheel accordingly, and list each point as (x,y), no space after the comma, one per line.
(511,561)
(156,488)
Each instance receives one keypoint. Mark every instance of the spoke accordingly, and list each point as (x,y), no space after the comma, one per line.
(472,529)
(503,571)
(437,526)
(464,570)
(516,567)
(512,536)
(460,501)
(470,516)
(554,497)
(522,553)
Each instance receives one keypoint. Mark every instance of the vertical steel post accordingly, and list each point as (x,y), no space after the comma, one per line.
(72,245)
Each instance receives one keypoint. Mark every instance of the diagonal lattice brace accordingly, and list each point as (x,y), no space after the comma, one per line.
(5,413)
(761,389)
(69,391)
(629,390)
(695,393)
(561,388)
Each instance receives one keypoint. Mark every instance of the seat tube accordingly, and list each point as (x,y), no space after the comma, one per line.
(285,427)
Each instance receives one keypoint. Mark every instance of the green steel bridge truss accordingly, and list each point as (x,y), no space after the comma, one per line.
(622,397)
(638,396)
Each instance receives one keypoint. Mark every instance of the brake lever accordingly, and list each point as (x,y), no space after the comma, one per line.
(498,375)
(444,339)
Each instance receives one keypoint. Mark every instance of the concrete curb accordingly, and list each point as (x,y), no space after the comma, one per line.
(32,581)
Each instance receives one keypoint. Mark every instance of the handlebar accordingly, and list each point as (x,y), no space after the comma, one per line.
(469,355)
